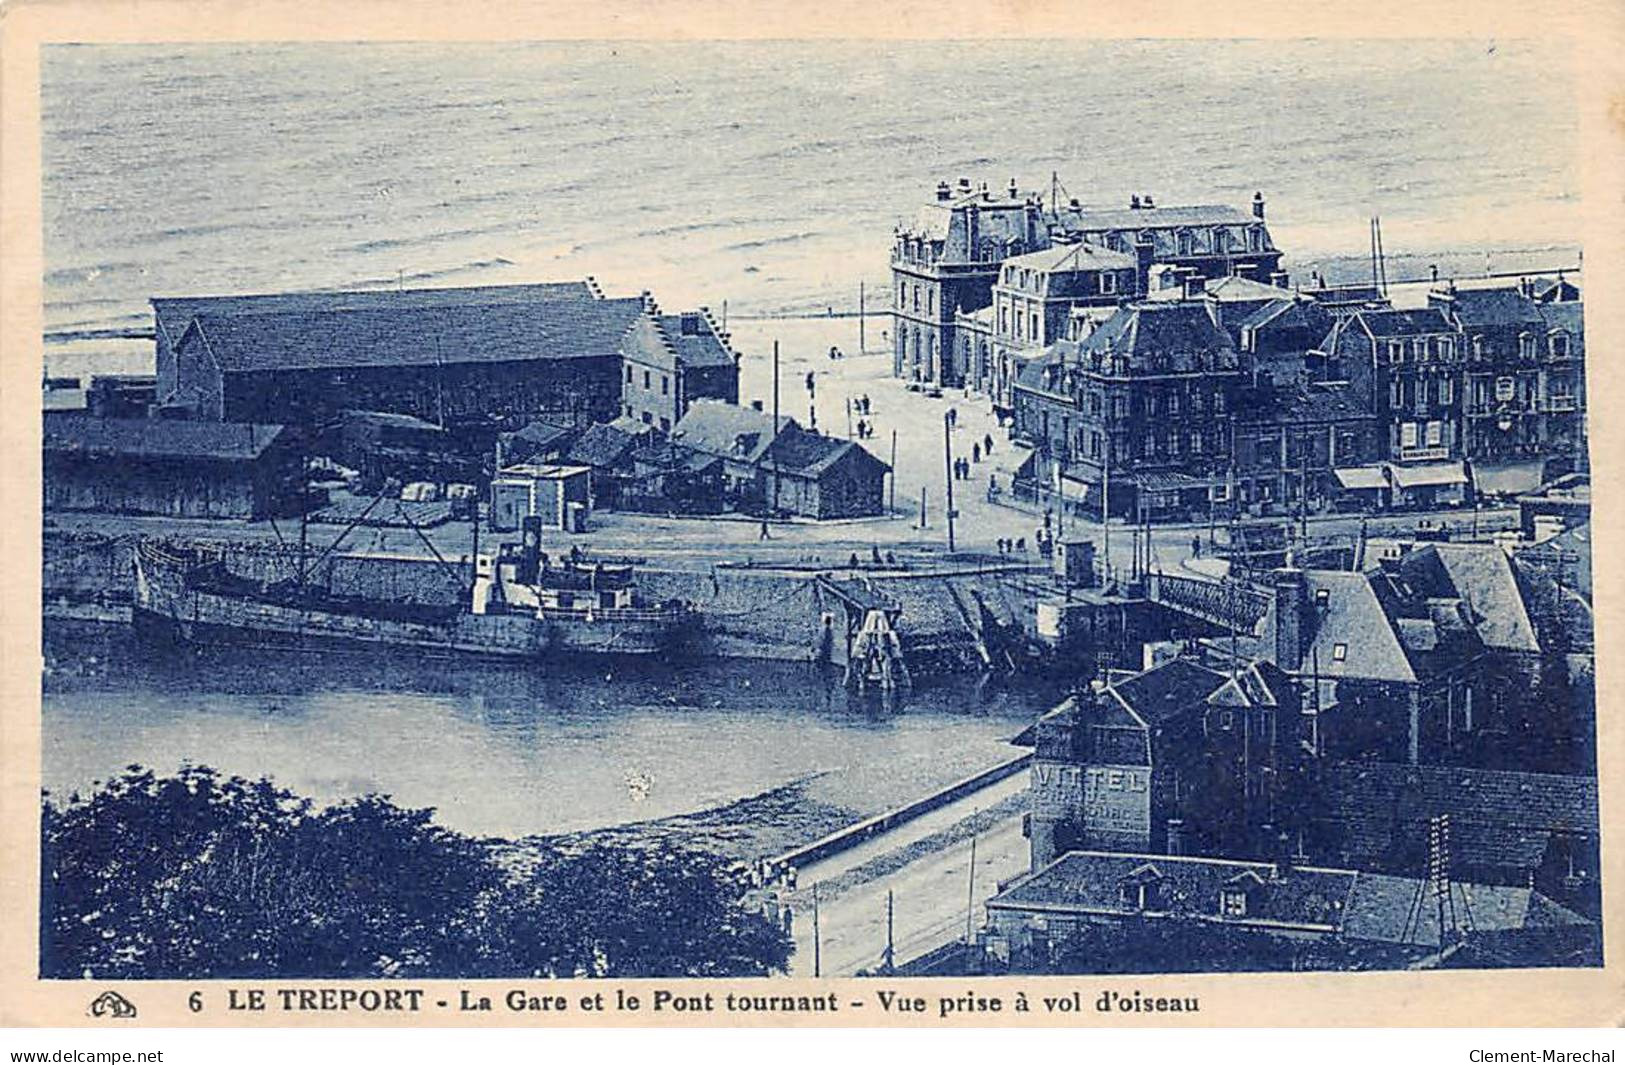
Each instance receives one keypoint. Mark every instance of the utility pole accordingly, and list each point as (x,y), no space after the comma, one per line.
(948,468)
(891,949)
(1105,514)
(774,431)
(862,319)
(893,506)
(922,506)
(970,897)
(818,966)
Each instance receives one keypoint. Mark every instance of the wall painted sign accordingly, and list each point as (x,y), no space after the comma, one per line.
(1111,802)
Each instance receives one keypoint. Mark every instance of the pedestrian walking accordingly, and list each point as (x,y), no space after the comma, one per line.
(764,535)
(1021,543)
(987,443)
(1196,547)
(809,382)
(976,453)
(1047,515)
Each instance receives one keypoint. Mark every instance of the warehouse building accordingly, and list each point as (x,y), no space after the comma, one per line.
(174,468)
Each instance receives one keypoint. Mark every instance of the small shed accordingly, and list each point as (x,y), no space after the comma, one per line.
(560,495)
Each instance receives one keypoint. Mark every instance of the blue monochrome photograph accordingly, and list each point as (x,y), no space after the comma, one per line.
(738,509)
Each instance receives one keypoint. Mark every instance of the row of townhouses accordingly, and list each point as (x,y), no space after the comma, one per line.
(1159,356)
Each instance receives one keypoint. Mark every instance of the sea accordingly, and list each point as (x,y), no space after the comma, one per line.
(764,178)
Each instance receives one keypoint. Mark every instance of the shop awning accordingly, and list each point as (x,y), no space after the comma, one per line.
(1361,477)
(1169,481)
(1509,478)
(1074,491)
(1428,474)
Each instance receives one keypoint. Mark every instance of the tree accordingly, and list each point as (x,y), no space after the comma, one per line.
(200,876)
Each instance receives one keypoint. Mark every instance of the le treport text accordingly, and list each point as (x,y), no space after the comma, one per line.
(658,1000)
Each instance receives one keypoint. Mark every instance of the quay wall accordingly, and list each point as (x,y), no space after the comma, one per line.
(745,615)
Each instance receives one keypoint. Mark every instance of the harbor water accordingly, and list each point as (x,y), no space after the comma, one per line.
(512,750)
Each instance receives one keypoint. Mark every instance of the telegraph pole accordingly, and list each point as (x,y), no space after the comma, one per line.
(891,949)
(818,968)
(970,897)
(948,468)
(861,319)
(893,506)
(774,431)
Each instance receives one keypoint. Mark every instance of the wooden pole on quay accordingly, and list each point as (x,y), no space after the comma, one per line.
(948,463)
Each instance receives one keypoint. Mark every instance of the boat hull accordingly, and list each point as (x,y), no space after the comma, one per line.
(189,611)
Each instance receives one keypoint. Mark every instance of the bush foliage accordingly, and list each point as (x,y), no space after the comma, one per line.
(199,875)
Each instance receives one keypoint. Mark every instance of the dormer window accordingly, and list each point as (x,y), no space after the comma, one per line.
(1340,652)
(1232,902)
(1142,889)
(1323,598)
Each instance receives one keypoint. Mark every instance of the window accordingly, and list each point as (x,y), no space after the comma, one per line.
(1396,351)
(1233,902)
(1435,433)
(665,385)
(1218,403)
(902,294)
(916,297)
(1340,652)
(648,419)
(1036,332)
(1505,389)
(646,379)
(629,374)
(931,301)
(1560,345)
(1173,443)
(1447,347)
(1323,598)
(1094,445)
(1526,346)
(1447,390)
(1108,283)
(665,425)
(1173,403)
(1004,319)
(1094,404)
(1196,443)
(1407,434)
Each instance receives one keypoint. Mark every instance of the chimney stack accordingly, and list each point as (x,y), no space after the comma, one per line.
(1195,285)
(1146,201)
(1134,202)
(1258,205)
(1145,253)
(1014,191)
(1280,279)
(943,191)
(1290,588)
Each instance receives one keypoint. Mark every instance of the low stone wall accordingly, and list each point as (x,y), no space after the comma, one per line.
(745,615)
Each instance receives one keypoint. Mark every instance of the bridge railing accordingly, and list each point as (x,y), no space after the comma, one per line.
(1233,604)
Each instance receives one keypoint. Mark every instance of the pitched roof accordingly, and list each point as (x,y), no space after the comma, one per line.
(1399,323)
(1235,288)
(1088,218)
(1497,818)
(1351,616)
(449,334)
(1169,690)
(1289,313)
(1569,315)
(155,438)
(1501,306)
(1076,256)
(174,312)
(697,340)
(1484,579)
(541,432)
(1093,882)
(1147,329)
(602,446)
(1383,909)
(728,430)
(809,454)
